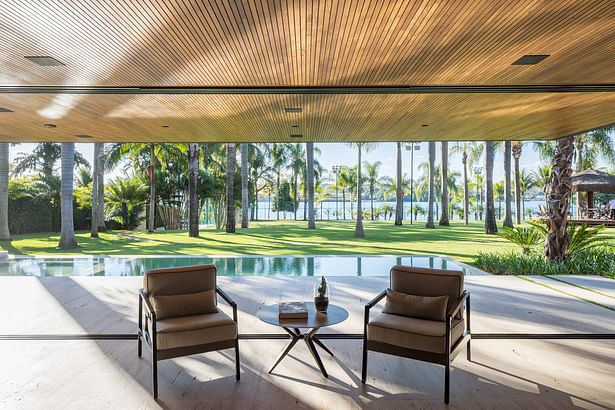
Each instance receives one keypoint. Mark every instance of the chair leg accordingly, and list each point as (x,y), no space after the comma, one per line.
(469,350)
(364,364)
(140,345)
(155,374)
(447,382)
(237,373)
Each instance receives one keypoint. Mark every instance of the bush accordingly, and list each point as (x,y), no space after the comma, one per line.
(598,260)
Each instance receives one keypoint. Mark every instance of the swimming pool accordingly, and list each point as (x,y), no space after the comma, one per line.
(227,265)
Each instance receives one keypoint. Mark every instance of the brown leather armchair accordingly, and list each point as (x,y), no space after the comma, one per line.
(181,315)
(420,338)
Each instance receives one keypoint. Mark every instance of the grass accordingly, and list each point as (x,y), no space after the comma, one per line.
(278,238)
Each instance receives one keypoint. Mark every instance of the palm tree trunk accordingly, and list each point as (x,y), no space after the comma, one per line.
(296,193)
(67,233)
(358,230)
(399,197)
(5,234)
(230,187)
(245,216)
(490,222)
(507,189)
(431,192)
(344,204)
(444,181)
(193,189)
(277,197)
(516,150)
(94,218)
(310,186)
(152,190)
(579,147)
(556,242)
(466,198)
(102,165)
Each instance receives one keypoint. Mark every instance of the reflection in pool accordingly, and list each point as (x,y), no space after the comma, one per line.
(227,265)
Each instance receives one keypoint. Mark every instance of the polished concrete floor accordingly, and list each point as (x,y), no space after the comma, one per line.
(504,373)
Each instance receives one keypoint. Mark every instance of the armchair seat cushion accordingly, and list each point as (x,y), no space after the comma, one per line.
(194,330)
(413,333)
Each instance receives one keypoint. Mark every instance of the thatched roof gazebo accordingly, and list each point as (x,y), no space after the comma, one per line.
(591,181)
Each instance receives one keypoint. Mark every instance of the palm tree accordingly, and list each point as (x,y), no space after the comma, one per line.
(296,156)
(245,215)
(5,234)
(444,184)
(43,158)
(470,153)
(96,208)
(278,154)
(345,181)
(432,158)
(193,189)
(126,197)
(526,181)
(491,226)
(358,231)
(67,232)
(517,148)
(542,178)
(231,158)
(310,185)
(372,180)
(399,197)
(498,191)
(507,181)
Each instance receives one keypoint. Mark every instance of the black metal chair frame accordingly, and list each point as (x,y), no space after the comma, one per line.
(444,359)
(150,339)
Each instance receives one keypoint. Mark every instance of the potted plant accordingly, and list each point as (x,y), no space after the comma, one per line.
(321,295)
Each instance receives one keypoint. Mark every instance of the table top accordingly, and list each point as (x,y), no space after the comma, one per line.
(335,314)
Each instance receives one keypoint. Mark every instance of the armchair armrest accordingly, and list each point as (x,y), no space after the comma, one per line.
(149,338)
(148,306)
(228,300)
(373,303)
(465,295)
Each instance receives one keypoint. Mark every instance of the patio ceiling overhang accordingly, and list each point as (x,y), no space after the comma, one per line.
(358,70)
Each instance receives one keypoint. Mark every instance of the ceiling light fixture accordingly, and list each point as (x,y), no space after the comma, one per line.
(296,136)
(164,126)
(5,110)
(83,136)
(44,61)
(425,125)
(530,59)
(49,125)
(295,126)
(293,110)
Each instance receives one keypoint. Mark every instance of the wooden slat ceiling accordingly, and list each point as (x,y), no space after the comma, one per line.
(305,43)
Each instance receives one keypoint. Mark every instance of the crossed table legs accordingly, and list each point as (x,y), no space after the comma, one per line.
(310,339)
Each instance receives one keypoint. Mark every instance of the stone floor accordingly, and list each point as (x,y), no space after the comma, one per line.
(504,373)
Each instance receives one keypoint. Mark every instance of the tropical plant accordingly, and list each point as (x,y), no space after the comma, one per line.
(526,181)
(358,231)
(583,237)
(125,201)
(470,154)
(43,158)
(542,178)
(371,171)
(526,238)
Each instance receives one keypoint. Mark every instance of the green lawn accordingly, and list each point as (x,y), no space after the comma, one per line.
(277,238)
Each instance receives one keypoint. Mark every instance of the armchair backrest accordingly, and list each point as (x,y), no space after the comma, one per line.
(427,282)
(180,280)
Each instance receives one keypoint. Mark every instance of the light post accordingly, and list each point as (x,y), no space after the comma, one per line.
(336,170)
(411,147)
(477,172)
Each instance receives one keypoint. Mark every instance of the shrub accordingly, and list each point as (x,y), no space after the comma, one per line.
(526,238)
(596,260)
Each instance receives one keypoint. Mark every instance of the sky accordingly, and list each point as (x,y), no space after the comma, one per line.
(342,154)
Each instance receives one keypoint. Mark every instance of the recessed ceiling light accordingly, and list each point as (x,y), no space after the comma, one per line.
(295,126)
(5,110)
(165,126)
(293,110)
(296,136)
(83,136)
(45,61)
(425,125)
(530,59)
(49,125)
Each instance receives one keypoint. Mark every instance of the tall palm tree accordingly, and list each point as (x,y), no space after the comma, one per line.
(5,234)
(470,153)
(278,154)
(358,231)
(245,216)
(491,226)
(67,230)
(100,182)
(371,171)
(310,184)
(399,197)
(193,189)
(96,207)
(542,178)
(431,194)
(230,187)
(296,162)
(507,185)
(517,148)
(526,181)
(444,184)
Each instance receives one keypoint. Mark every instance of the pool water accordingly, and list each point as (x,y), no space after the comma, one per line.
(226,265)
